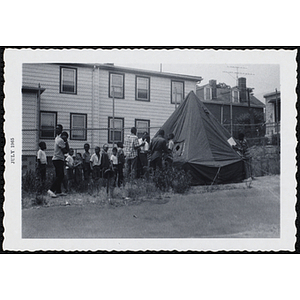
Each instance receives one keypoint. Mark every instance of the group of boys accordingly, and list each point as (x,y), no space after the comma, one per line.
(98,164)
(142,154)
(139,153)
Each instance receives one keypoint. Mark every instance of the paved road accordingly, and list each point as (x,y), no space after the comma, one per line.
(240,212)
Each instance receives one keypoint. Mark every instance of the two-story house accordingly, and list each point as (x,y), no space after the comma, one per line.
(95,103)
(273,113)
(228,103)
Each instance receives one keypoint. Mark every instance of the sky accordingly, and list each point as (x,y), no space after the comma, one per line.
(262,68)
(264,78)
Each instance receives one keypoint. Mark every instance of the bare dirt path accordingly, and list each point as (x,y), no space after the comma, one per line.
(235,212)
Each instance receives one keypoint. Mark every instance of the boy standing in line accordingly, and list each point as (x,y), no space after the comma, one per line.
(95,162)
(70,166)
(86,157)
(42,163)
(121,163)
(114,161)
(61,147)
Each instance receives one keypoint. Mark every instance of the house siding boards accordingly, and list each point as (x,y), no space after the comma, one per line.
(157,110)
(48,76)
(271,115)
(92,98)
(29,121)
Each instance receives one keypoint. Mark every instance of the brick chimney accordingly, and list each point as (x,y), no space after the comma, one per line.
(213,84)
(243,89)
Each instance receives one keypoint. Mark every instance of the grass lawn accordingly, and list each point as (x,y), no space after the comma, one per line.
(229,211)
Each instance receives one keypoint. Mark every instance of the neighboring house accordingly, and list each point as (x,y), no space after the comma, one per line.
(273,113)
(80,97)
(218,97)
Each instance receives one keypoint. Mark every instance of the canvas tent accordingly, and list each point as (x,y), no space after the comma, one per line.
(201,144)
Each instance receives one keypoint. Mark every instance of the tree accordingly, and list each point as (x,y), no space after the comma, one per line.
(258,128)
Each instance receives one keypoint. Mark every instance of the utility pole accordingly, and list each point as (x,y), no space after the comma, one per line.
(277,119)
(249,90)
(38,113)
(231,121)
(113,133)
(175,98)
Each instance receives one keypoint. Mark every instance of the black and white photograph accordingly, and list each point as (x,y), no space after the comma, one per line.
(150,150)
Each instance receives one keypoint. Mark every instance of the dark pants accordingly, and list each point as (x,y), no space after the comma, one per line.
(59,176)
(156,163)
(42,172)
(132,167)
(86,170)
(120,175)
(96,172)
(78,174)
(116,174)
(169,163)
(142,163)
(247,168)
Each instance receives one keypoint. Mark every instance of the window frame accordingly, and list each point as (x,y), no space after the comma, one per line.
(183,92)
(236,100)
(109,140)
(61,82)
(141,120)
(84,129)
(136,88)
(54,127)
(110,81)
(209,90)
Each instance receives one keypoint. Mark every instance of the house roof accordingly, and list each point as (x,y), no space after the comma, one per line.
(254,102)
(112,67)
(32,89)
(223,98)
(272,94)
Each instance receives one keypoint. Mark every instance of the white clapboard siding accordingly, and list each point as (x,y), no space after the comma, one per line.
(29,121)
(48,76)
(157,110)
(92,99)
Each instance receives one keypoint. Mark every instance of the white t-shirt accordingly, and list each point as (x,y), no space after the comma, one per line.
(114,159)
(59,144)
(41,155)
(145,147)
(69,162)
(95,160)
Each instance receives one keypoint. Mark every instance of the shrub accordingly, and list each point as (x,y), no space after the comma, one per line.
(31,182)
(176,179)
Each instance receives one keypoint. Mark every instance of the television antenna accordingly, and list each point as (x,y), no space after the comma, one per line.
(237,73)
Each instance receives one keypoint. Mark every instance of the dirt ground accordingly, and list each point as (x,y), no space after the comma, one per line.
(229,211)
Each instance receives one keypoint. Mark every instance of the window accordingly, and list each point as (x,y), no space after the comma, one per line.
(177,91)
(68,80)
(116,85)
(207,94)
(142,91)
(47,124)
(78,124)
(235,96)
(142,126)
(116,135)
